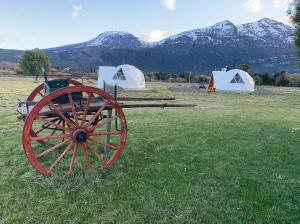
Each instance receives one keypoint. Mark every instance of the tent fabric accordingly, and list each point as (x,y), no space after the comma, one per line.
(126,76)
(233,80)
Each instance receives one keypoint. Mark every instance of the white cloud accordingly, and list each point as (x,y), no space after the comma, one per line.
(169,4)
(253,6)
(76,10)
(282,3)
(155,35)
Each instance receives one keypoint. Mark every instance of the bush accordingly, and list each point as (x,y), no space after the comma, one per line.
(258,80)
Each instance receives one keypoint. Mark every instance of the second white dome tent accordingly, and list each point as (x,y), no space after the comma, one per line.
(233,80)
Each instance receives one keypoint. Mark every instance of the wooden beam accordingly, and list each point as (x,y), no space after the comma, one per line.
(165,105)
(25,108)
(145,98)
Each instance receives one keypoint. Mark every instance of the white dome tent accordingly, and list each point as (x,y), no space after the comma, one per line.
(234,80)
(126,76)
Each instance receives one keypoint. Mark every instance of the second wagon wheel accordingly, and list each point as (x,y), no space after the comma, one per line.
(38,93)
(83,138)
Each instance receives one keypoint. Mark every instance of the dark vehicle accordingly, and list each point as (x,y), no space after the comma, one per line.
(203,85)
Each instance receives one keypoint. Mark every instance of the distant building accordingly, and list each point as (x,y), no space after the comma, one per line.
(234,80)
(67,69)
(126,76)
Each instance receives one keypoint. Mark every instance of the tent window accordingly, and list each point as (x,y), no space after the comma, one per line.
(119,75)
(237,79)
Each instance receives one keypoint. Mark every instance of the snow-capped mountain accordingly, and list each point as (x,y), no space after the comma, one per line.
(266,45)
(267,30)
(114,40)
(223,29)
(109,39)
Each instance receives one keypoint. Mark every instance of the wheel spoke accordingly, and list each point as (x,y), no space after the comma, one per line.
(86,109)
(73,108)
(72,164)
(102,143)
(52,123)
(82,121)
(41,94)
(52,148)
(102,123)
(44,138)
(86,156)
(100,158)
(57,161)
(96,115)
(62,115)
(106,133)
(63,124)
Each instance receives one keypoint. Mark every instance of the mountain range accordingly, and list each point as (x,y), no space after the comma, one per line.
(266,45)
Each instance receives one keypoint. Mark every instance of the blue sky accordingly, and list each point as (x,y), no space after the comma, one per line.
(27,24)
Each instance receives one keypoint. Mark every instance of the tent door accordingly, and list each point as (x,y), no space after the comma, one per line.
(210,88)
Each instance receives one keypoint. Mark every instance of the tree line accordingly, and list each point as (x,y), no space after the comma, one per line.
(281,78)
(184,77)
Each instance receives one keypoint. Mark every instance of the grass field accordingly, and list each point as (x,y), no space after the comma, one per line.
(235,158)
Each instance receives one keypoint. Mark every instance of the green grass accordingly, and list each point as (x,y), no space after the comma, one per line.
(235,158)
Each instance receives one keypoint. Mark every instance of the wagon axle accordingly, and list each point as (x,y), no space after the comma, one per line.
(80,136)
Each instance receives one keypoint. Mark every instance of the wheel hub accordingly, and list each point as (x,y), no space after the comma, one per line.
(80,136)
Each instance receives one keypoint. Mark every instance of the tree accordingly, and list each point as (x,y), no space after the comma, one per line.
(294,13)
(266,79)
(281,79)
(32,61)
(246,68)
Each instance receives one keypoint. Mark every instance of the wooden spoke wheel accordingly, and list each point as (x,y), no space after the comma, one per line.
(38,93)
(78,130)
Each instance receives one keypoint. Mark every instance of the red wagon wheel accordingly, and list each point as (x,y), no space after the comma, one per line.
(37,94)
(84,135)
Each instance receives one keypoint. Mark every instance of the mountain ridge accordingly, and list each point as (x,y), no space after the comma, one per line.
(198,50)
(102,37)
